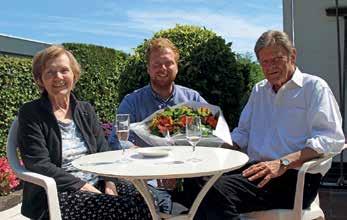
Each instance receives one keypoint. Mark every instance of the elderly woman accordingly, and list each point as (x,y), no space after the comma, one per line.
(56,129)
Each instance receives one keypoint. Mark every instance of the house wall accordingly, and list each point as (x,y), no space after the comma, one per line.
(19,46)
(315,38)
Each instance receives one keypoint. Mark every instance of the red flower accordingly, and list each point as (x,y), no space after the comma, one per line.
(165,123)
(8,179)
(212,121)
(184,120)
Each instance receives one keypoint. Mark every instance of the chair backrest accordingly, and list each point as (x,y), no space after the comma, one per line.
(11,149)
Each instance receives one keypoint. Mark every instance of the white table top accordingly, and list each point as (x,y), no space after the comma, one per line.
(174,165)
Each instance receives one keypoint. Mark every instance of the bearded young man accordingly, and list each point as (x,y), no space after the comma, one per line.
(162,67)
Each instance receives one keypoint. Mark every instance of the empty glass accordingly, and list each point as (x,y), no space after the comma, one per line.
(170,141)
(193,134)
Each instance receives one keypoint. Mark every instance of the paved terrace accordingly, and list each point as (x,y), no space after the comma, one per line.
(332,201)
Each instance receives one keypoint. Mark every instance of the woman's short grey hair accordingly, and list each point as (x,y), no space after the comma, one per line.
(42,57)
(273,38)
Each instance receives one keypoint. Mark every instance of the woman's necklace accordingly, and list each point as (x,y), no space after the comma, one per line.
(63,115)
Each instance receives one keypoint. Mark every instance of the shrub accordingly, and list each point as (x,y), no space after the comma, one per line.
(17,87)
(207,64)
(251,72)
(8,180)
(107,128)
(100,72)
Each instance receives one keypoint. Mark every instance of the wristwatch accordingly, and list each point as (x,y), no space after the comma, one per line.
(285,162)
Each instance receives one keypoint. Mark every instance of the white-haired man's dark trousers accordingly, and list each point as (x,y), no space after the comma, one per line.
(233,194)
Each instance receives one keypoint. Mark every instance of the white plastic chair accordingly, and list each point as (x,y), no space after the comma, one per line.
(46,182)
(319,165)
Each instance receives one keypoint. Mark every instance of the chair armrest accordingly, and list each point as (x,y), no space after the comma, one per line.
(50,186)
(317,165)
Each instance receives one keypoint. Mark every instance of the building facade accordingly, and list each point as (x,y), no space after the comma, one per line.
(15,46)
(314,33)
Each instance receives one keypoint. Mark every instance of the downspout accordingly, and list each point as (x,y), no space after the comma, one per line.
(341,180)
(288,19)
(292,21)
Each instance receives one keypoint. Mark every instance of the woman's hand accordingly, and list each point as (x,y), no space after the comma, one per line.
(169,184)
(90,188)
(110,188)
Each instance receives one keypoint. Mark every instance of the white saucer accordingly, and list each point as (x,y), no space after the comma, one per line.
(149,152)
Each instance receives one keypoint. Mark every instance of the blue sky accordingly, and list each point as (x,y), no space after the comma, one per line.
(124,24)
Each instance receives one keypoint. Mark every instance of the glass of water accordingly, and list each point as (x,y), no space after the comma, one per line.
(193,134)
(122,124)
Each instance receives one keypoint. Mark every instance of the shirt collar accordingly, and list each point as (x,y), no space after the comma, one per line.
(297,79)
(157,96)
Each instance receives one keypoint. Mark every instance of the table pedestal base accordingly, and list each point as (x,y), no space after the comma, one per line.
(142,187)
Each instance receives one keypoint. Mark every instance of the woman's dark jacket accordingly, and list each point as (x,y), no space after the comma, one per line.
(40,146)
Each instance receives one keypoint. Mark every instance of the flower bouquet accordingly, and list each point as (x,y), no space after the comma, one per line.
(174,120)
(153,130)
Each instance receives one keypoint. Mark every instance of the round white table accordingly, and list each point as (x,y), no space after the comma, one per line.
(214,162)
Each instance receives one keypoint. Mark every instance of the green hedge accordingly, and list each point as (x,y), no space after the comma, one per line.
(101,67)
(17,87)
(207,64)
(98,83)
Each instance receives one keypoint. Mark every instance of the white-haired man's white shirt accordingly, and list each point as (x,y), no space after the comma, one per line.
(303,113)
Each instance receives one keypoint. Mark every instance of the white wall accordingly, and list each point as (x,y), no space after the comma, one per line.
(315,38)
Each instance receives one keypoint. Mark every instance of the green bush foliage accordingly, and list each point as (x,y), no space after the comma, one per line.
(101,67)
(251,72)
(98,83)
(17,87)
(207,64)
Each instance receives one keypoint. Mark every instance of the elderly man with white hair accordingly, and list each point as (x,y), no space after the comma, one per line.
(291,117)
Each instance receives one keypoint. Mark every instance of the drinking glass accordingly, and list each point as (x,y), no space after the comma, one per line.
(193,134)
(170,141)
(122,124)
